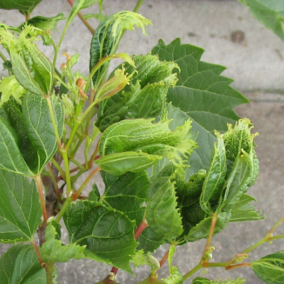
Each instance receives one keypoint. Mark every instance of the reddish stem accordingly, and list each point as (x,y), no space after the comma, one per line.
(86,23)
(140,229)
(41,197)
(248,264)
(38,254)
(164,259)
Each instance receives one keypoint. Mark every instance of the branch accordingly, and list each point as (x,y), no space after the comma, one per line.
(85,22)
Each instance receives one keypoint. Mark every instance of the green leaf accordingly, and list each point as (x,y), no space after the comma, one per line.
(270,268)
(20,210)
(10,87)
(108,234)
(238,180)
(269,12)
(215,178)
(20,265)
(146,259)
(244,211)
(10,155)
(120,163)
(38,123)
(23,73)
(127,194)
(107,36)
(202,94)
(161,213)
(44,23)
(24,6)
(202,229)
(54,250)
(143,136)
(200,280)
(149,240)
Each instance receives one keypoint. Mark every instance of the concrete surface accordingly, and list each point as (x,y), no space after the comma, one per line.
(256,64)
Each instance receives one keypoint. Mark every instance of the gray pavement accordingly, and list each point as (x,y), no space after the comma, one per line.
(256,64)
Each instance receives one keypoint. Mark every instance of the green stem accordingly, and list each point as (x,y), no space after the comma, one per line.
(254,246)
(49,271)
(41,196)
(138,4)
(192,271)
(57,166)
(276,225)
(3,56)
(216,264)
(73,133)
(276,238)
(74,151)
(78,164)
(79,191)
(53,122)
(67,171)
(66,204)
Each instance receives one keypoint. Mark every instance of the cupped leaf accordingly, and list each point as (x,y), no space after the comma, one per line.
(108,234)
(202,94)
(146,94)
(20,210)
(10,87)
(269,12)
(54,250)
(107,36)
(244,211)
(39,127)
(161,213)
(127,194)
(20,265)
(201,230)
(215,178)
(175,276)
(24,6)
(270,268)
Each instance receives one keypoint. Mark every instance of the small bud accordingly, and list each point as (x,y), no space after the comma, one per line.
(63,67)
(68,57)
(80,83)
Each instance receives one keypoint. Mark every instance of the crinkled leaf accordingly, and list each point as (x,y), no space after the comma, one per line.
(201,280)
(244,211)
(142,135)
(149,240)
(20,210)
(161,213)
(38,123)
(24,6)
(54,250)
(269,12)
(20,265)
(10,87)
(127,194)
(201,230)
(108,234)
(175,277)
(146,94)
(215,178)
(107,36)
(44,23)
(202,94)
(270,268)
(140,258)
